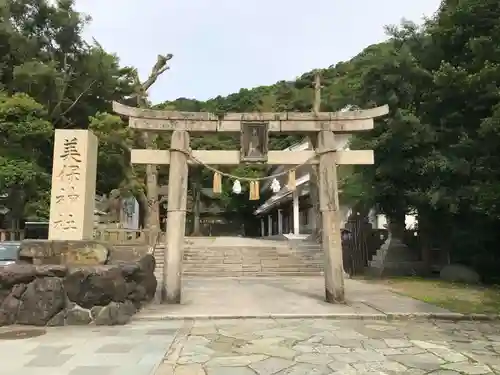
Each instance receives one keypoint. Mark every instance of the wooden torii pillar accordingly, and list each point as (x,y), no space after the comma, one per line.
(324,124)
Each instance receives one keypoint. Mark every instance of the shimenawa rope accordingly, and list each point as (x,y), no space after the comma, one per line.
(254,190)
(248,179)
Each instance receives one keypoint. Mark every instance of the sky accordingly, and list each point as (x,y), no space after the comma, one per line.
(221,46)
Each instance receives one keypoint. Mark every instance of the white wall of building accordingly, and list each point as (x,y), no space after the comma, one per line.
(306,218)
(380,221)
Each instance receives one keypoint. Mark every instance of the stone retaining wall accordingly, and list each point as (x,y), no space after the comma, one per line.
(106,287)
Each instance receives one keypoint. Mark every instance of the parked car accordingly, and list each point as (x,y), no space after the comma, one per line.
(9,252)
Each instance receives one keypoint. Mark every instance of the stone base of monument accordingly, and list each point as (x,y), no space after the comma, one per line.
(75,283)
(395,258)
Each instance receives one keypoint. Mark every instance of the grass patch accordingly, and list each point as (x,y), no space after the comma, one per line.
(456,297)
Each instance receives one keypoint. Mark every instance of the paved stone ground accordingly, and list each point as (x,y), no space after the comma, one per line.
(328,347)
(312,346)
(260,347)
(126,350)
(267,296)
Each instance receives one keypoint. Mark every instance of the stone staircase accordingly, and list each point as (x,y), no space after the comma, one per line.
(234,256)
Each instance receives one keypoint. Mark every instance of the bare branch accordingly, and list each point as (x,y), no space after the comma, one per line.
(159,68)
(78,98)
(62,92)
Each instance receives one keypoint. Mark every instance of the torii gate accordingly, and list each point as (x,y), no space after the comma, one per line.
(323,124)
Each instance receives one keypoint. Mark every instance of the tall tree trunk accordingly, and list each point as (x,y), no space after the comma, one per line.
(152,212)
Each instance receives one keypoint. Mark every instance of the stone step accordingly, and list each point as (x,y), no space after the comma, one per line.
(205,273)
(252,274)
(268,265)
(159,258)
(249,259)
(271,247)
(273,257)
(247,256)
(375,263)
(276,260)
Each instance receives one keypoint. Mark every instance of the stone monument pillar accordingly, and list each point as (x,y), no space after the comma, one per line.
(73,185)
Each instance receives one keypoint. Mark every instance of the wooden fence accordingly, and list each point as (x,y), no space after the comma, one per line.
(128,236)
(11,235)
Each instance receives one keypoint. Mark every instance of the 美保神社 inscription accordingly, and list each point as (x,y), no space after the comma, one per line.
(73,185)
(68,193)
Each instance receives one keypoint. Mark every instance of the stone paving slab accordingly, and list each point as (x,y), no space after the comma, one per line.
(334,347)
(134,350)
(282,296)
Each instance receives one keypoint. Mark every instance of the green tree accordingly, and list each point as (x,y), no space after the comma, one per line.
(24,133)
(43,54)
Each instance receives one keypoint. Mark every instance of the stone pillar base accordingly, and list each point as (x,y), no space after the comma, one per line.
(395,258)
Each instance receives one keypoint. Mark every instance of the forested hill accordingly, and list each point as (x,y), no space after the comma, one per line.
(340,84)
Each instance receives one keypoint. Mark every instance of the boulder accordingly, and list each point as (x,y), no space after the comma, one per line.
(81,252)
(115,314)
(4,293)
(97,285)
(68,284)
(147,275)
(150,284)
(140,273)
(9,310)
(25,273)
(51,270)
(18,290)
(16,274)
(138,294)
(147,263)
(74,253)
(94,311)
(77,315)
(136,269)
(127,253)
(42,299)
(57,320)
(33,249)
(459,273)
